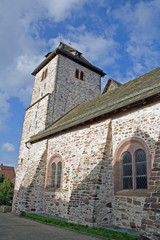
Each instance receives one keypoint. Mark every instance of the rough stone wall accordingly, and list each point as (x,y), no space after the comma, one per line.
(151,214)
(34,122)
(47,85)
(70,91)
(87,194)
(29,195)
(86,159)
(52,97)
(143,123)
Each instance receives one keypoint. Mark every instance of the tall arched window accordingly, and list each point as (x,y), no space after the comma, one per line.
(53,175)
(134,170)
(44,74)
(127,170)
(81,76)
(77,73)
(140,169)
(54,172)
(59,173)
(132,166)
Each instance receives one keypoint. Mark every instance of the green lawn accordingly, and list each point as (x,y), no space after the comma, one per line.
(89,230)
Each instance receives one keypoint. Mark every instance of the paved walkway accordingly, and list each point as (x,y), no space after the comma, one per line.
(16,228)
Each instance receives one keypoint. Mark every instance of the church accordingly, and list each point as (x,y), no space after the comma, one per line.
(91,158)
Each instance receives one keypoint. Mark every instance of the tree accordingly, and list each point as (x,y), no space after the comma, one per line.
(1,177)
(6,192)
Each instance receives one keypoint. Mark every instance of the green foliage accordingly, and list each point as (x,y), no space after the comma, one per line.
(1,177)
(88,230)
(6,191)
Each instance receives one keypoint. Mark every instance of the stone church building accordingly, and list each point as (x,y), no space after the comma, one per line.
(91,158)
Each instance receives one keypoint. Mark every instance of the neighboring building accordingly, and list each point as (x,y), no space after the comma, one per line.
(8,172)
(90,158)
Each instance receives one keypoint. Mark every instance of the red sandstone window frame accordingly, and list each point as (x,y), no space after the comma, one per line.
(55,159)
(131,144)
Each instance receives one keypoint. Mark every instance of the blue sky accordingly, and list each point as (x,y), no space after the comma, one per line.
(122,37)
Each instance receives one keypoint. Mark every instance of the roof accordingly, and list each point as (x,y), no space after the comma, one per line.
(108,84)
(143,87)
(8,171)
(70,53)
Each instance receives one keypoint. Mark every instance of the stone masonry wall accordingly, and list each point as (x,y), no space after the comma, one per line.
(85,154)
(48,104)
(87,194)
(42,87)
(143,123)
(71,91)
(151,214)
(33,123)
(29,195)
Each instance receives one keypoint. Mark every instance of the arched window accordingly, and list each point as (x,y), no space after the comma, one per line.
(140,169)
(132,166)
(46,71)
(59,173)
(44,74)
(127,170)
(81,76)
(53,175)
(134,179)
(77,73)
(54,172)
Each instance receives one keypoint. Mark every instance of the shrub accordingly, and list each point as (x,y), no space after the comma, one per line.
(6,191)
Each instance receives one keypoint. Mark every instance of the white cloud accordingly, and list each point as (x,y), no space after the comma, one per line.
(96,48)
(21,47)
(4,110)
(141,21)
(60,10)
(8,147)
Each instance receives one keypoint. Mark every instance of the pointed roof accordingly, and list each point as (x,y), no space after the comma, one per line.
(70,53)
(140,89)
(111,82)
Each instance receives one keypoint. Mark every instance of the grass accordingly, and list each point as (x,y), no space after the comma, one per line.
(83,229)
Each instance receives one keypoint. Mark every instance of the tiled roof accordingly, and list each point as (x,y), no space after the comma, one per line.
(143,87)
(70,53)
(8,171)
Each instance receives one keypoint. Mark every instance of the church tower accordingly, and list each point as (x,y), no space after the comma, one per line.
(63,80)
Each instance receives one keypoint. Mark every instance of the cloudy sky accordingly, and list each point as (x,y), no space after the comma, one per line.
(122,37)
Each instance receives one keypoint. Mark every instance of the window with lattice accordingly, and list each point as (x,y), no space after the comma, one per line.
(132,166)
(54,173)
(134,170)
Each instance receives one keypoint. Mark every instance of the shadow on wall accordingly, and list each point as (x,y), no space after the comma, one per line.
(92,202)
(31,198)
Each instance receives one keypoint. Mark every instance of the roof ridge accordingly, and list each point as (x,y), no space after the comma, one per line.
(140,76)
(101,108)
(65,50)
